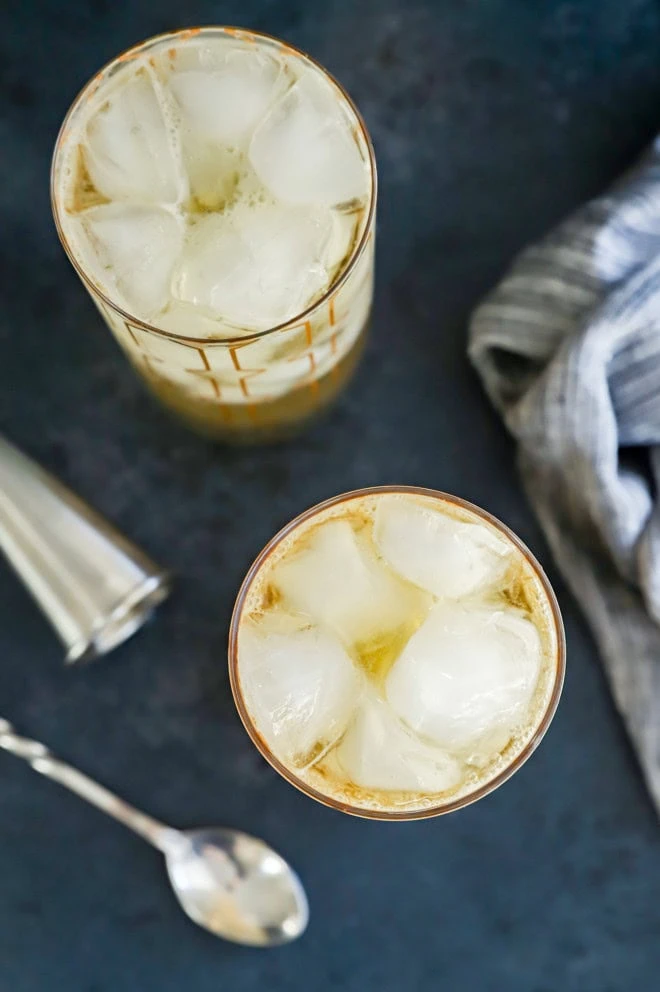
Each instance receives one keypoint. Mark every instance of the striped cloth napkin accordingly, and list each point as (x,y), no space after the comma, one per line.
(568,349)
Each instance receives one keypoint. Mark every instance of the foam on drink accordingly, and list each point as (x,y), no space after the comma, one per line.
(396,651)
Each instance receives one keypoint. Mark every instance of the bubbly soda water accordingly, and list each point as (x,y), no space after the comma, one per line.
(216,187)
(396,651)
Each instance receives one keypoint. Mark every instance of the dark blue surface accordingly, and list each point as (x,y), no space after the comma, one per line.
(491,119)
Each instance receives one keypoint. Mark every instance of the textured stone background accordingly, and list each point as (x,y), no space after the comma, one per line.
(491,119)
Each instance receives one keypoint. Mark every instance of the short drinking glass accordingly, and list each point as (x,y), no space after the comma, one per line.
(396,653)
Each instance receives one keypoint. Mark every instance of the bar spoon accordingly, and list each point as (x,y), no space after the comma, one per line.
(226,881)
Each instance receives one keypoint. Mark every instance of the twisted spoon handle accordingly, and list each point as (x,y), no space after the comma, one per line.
(37,755)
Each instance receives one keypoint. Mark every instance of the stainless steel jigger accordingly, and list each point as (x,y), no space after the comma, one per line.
(95,587)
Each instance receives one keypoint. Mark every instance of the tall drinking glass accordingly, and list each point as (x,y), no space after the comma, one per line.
(215,190)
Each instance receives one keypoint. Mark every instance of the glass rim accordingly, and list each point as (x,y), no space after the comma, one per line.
(443,807)
(238,33)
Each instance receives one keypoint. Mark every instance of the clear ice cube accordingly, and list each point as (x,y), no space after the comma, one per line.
(379,752)
(131,147)
(255,266)
(300,688)
(466,674)
(336,582)
(226,104)
(137,247)
(447,557)
(304,151)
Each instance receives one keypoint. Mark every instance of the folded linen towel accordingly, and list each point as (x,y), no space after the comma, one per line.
(568,348)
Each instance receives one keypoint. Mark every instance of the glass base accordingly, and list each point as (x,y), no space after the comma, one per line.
(258,423)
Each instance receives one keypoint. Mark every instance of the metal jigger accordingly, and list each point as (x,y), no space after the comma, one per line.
(95,587)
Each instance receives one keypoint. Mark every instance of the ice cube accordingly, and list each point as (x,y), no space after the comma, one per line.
(344,227)
(191,322)
(465,674)
(336,582)
(137,246)
(300,688)
(448,557)
(226,104)
(379,752)
(304,151)
(131,147)
(255,266)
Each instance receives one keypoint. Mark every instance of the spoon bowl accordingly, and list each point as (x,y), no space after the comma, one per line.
(236,886)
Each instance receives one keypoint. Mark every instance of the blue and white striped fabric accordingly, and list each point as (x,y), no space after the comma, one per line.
(568,348)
